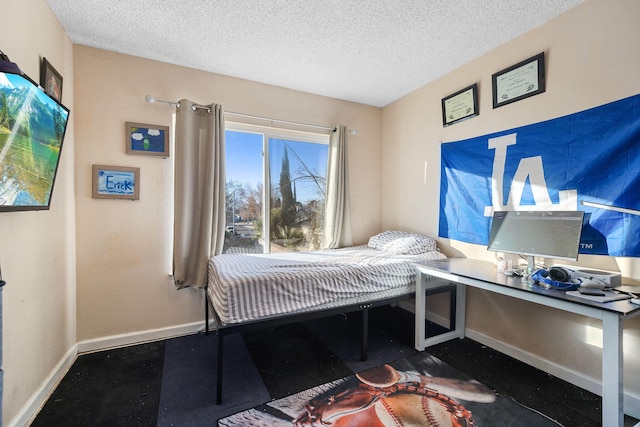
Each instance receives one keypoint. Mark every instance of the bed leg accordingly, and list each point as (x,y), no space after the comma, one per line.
(206,313)
(219,376)
(365,335)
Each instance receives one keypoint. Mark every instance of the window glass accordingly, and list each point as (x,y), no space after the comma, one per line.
(244,192)
(275,189)
(298,183)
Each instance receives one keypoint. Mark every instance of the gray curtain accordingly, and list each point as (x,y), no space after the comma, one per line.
(337,218)
(199,202)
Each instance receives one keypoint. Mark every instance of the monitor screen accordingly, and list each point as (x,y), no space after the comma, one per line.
(549,234)
(32,128)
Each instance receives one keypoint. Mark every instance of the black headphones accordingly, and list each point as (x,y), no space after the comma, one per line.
(556,277)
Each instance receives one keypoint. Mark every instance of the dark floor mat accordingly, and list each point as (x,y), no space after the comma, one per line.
(189,381)
(343,336)
(290,359)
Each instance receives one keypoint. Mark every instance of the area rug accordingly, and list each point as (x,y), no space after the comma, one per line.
(419,390)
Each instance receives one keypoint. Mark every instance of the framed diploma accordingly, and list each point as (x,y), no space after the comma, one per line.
(519,81)
(460,106)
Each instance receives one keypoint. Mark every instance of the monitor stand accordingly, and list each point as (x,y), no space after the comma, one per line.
(531,264)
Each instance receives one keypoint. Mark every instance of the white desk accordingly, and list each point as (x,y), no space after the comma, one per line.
(481,274)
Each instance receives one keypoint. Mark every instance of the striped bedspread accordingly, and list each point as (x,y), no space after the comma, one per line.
(245,287)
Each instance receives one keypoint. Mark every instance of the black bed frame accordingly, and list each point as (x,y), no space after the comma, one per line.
(362,307)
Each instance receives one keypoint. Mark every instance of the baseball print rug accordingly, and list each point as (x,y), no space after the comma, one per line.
(417,391)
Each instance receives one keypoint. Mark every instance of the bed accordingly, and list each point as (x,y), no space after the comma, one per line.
(248,291)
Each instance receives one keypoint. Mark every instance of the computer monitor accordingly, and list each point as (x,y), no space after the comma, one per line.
(549,234)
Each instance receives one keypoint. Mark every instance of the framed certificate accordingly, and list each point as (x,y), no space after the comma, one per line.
(460,106)
(519,81)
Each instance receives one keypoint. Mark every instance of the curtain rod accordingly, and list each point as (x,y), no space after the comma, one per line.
(250,116)
(150,99)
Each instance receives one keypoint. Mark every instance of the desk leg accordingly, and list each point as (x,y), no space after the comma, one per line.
(461,308)
(420,314)
(612,371)
(421,341)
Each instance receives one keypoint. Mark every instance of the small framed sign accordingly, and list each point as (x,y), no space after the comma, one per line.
(116,182)
(460,106)
(519,81)
(151,140)
(50,80)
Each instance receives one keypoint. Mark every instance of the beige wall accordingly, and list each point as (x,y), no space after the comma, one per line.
(124,247)
(37,249)
(592,58)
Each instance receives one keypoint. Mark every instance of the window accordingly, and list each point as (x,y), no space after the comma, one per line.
(275,189)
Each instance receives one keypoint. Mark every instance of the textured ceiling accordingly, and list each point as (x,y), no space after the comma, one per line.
(368,51)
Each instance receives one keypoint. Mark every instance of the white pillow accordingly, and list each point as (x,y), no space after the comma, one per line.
(400,242)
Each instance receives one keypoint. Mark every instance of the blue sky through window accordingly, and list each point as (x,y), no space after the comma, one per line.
(244,161)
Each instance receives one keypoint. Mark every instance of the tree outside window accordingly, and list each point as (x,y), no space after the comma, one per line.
(294,172)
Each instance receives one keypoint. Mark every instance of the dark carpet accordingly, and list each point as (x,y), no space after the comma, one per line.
(172,382)
(110,388)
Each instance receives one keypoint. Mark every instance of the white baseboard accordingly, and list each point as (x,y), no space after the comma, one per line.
(123,340)
(38,399)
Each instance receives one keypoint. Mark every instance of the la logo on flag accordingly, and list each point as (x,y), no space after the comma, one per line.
(590,157)
(531,169)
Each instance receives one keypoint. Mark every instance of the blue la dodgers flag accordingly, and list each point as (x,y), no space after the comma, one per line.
(588,157)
